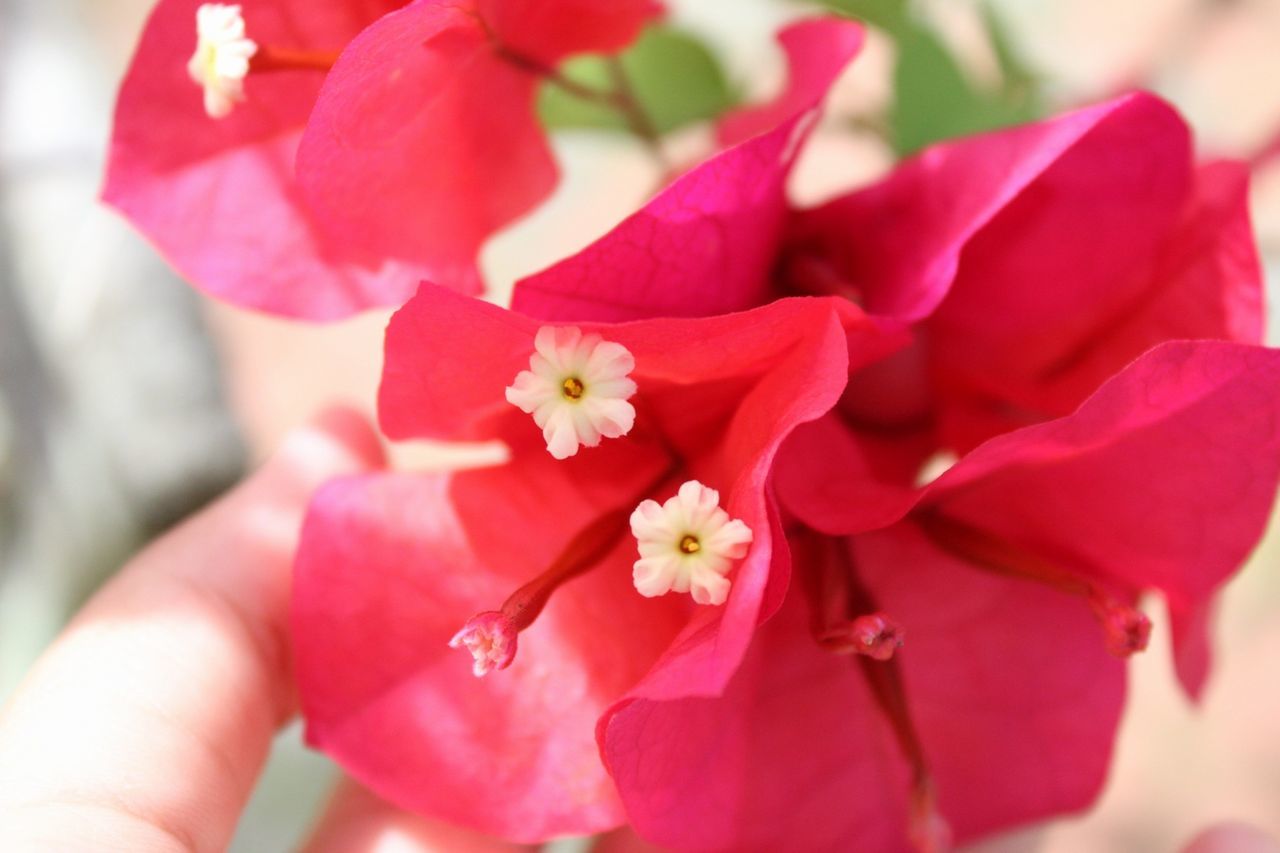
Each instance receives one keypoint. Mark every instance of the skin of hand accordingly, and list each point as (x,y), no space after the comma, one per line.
(145,725)
(1232,837)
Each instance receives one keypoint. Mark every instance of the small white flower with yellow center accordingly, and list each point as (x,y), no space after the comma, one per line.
(221,60)
(687,544)
(576,388)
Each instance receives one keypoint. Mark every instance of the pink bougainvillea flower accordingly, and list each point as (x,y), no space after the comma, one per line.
(422,143)
(1083,241)
(597,547)
(1009,579)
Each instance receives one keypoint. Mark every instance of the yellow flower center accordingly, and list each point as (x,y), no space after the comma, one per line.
(572,388)
(690,544)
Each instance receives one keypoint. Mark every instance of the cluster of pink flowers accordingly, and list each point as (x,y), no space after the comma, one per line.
(719,591)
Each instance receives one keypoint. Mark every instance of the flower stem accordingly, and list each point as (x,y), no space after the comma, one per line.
(633,112)
(620,98)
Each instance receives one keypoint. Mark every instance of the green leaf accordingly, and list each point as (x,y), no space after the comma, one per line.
(933,98)
(675,78)
(1015,73)
(888,15)
(559,110)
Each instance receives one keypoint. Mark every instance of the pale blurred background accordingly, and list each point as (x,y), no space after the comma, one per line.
(127,401)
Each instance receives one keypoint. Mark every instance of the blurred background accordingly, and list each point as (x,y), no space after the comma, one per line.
(127,400)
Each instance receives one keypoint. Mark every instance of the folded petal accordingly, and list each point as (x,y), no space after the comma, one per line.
(1084,321)
(549,30)
(839,479)
(706,244)
(449,360)
(994,667)
(1015,699)
(817,49)
(1163,479)
(389,567)
(217,197)
(424,139)
(1205,281)
(1077,198)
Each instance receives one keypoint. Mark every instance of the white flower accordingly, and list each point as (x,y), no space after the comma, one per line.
(576,388)
(687,544)
(222,56)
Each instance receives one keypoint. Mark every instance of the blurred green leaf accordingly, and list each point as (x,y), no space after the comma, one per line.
(675,77)
(1014,71)
(888,15)
(933,98)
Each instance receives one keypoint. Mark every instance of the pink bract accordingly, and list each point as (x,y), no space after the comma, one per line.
(424,140)
(707,243)
(221,200)
(1006,678)
(1121,493)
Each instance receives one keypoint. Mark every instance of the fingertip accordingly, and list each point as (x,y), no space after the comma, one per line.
(357,821)
(1232,837)
(337,441)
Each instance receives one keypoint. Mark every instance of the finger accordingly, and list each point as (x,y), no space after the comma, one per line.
(357,821)
(1231,837)
(146,723)
(624,840)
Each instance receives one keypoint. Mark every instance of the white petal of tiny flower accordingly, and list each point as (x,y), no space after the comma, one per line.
(687,544)
(221,60)
(576,388)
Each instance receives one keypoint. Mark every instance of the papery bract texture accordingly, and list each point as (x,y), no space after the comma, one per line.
(706,244)
(1036,262)
(1162,480)
(1014,697)
(422,142)
(817,50)
(390,566)
(1006,676)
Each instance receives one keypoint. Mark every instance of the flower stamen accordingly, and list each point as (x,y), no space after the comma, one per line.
(837,595)
(491,639)
(492,636)
(577,387)
(225,55)
(221,60)
(875,635)
(687,544)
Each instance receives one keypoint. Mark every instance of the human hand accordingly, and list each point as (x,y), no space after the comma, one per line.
(145,725)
